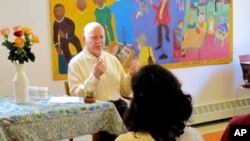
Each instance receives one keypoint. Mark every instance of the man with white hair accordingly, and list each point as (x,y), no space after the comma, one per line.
(100,72)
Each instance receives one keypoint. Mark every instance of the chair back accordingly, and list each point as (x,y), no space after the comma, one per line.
(66,87)
(245,66)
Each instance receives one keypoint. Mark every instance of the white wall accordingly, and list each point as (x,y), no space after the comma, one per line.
(33,13)
(206,83)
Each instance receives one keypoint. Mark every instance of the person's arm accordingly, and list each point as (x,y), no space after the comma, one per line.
(56,39)
(55,35)
(163,5)
(81,77)
(155,7)
(108,24)
(78,84)
(126,77)
(125,84)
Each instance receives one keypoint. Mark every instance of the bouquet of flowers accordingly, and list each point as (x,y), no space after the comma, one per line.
(20,48)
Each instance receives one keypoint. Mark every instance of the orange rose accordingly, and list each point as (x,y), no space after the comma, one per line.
(17,28)
(35,38)
(5,32)
(19,42)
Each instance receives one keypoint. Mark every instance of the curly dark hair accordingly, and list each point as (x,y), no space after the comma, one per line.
(159,105)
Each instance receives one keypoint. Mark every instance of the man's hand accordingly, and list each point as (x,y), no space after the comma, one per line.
(62,34)
(99,68)
(59,50)
(134,67)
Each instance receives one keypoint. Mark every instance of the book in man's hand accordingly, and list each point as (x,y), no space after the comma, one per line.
(125,55)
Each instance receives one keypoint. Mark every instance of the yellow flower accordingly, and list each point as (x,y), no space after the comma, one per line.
(35,38)
(19,42)
(27,30)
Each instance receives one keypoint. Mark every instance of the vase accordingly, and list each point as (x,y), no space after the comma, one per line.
(21,85)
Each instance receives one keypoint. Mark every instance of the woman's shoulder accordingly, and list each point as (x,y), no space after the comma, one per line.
(191,134)
(132,136)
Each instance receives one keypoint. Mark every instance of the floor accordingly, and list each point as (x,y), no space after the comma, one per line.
(212,131)
(215,136)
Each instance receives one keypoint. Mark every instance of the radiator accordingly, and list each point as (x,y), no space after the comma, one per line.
(219,110)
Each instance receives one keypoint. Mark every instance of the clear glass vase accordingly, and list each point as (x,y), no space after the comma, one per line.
(21,85)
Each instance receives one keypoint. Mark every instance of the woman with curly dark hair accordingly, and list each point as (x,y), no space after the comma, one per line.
(159,110)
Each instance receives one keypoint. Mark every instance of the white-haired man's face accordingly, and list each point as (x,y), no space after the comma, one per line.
(94,39)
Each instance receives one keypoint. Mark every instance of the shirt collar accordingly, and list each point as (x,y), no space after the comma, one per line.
(89,55)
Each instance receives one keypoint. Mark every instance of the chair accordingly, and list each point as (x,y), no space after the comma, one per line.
(67,91)
(66,87)
(245,66)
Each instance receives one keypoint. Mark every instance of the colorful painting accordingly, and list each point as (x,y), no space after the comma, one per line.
(174,33)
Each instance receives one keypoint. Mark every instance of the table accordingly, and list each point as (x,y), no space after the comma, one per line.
(222,36)
(193,40)
(52,120)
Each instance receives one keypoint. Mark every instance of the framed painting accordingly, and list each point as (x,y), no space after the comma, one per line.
(174,33)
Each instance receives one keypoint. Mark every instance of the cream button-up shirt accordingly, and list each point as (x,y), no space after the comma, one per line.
(114,82)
